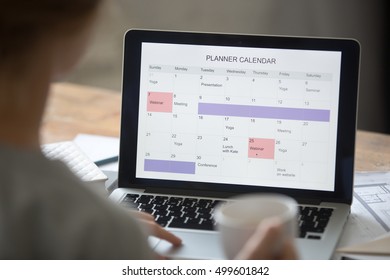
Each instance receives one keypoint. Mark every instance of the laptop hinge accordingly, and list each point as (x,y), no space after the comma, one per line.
(219,194)
(309,201)
(202,193)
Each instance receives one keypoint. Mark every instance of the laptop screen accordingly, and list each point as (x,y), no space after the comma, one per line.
(238,115)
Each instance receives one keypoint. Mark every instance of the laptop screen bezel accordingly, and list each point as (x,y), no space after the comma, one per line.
(346,130)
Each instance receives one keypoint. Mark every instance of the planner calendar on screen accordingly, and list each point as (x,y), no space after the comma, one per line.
(238,115)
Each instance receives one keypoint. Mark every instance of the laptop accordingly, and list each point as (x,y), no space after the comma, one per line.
(206,117)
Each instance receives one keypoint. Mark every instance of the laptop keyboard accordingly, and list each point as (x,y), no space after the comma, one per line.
(193,213)
(312,221)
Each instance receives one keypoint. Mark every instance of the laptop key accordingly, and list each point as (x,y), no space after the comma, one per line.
(204,203)
(160,200)
(175,208)
(313,219)
(161,213)
(145,198)
(163,220)
(314,237)
(204,210)
(150,211)
(160,207)
(189,202)
(325,213)
(175,199)
(175,213)
(193,221)
(322,224)
(130,197)
(145,206)
(190,215)
(177,223)
(205,216)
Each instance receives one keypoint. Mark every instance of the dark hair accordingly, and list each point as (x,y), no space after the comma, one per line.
(23,22)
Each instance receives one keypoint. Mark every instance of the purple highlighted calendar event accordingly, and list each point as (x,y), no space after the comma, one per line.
(169,166)
(249,111)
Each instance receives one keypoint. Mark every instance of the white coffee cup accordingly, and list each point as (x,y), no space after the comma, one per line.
(238,219)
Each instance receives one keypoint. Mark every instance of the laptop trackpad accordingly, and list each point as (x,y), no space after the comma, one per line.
(196,245)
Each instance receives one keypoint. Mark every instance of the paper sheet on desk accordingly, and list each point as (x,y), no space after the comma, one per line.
(370,211)
(379,246)
(98,147)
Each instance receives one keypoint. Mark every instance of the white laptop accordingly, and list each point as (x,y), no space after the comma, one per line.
(206,117)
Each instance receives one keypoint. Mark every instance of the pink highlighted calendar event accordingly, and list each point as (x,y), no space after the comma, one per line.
(160,102)
(261,148)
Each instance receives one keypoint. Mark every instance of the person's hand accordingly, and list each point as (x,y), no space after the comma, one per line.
(155,229)
(265,243)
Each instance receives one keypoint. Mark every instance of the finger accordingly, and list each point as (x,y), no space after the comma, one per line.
(156,230)
(144,216)
(267,237)
(289,251)
(162,233)
(263,243)
(160,257)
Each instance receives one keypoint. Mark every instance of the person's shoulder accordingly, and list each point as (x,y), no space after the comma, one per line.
(30,179)
(46,200)
(31,172)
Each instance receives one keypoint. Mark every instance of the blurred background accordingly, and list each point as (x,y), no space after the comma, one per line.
(360,19)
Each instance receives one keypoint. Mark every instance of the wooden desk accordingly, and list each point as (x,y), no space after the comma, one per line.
(77,109)
(74,109)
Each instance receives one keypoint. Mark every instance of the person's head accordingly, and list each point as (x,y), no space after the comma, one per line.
(28,24)
(40,41)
